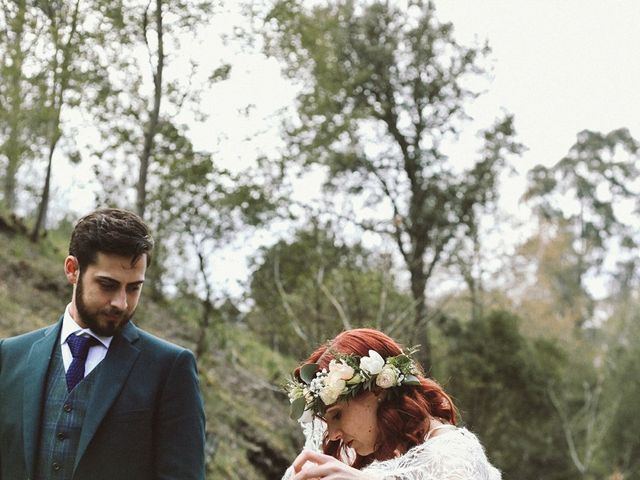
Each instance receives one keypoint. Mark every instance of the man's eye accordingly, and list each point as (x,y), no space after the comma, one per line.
(108,286)
(336,416)
(134,288)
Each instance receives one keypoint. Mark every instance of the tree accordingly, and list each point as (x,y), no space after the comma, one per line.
(619,363)
(144,92)
(145,159)
(17,94)
(48,57)
(201,209)
(500,380)
(551,296)
(620,446)
(385,91)
(585,194)
(72,63)
(187,15)
(309,288)
(584,204)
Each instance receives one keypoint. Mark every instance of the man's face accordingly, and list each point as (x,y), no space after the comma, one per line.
(107,293)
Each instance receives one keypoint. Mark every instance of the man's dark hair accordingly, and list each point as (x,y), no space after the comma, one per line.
(112,231)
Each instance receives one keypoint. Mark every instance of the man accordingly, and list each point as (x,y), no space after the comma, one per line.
(93,397)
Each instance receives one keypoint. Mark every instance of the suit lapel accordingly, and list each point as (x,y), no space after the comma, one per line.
(35,381)
(111,378)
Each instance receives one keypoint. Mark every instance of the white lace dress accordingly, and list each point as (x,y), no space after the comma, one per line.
(453,454)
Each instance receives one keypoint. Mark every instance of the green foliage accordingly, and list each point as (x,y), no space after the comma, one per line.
(622,445)
(619,361)
(376,74)
(193,206)
(556,302)
(50,55)
(597,176)
(584,203)
(220,73)
(17,99)
(308,289)
(500,380)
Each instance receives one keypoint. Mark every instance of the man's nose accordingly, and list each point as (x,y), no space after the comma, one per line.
(119,300)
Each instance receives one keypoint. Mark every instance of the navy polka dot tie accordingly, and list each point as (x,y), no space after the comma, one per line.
(79,350)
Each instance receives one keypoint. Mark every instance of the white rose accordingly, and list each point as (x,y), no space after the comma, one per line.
(344,371)
(372,364)
(332,390)
(334,380)
(388,377)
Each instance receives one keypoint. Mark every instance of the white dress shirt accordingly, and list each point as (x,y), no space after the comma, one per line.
(96,352)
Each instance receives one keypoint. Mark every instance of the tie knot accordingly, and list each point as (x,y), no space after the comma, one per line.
(80,346)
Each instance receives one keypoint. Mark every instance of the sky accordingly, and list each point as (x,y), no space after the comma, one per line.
(560,66)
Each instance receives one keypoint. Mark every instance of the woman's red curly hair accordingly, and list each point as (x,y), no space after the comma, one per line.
(404,417)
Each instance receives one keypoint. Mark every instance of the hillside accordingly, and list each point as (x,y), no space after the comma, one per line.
(250,436)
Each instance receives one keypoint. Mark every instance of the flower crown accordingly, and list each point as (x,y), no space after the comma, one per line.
(348,375)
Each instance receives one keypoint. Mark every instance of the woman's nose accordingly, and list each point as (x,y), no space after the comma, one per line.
(334,434)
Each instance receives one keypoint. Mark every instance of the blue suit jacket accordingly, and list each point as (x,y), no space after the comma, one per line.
(144,419)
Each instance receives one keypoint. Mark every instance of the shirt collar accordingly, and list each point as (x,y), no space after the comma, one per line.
(70,327)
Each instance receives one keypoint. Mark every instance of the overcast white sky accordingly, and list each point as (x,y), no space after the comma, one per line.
(560,66)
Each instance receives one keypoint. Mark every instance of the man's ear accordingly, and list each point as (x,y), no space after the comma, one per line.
(71,269)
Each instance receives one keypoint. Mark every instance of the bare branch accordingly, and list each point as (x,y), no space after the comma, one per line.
(334,301)
(283,296)
(568,434)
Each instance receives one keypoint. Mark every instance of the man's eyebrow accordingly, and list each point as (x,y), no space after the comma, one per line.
(113,280)
(107,279)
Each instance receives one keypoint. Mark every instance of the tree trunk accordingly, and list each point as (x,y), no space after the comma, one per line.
(60,83)
(420,323)
(13,148)
(44,200)
(9,194)
(207,304)
(205,321)
(152,126)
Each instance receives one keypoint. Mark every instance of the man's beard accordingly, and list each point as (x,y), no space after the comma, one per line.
(91,318)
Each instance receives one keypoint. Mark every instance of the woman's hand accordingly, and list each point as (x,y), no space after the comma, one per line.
(312,465)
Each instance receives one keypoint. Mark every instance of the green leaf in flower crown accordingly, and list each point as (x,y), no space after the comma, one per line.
(297,408)
(410,380)
(308,372)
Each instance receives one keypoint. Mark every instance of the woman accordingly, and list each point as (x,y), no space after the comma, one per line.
(368,412)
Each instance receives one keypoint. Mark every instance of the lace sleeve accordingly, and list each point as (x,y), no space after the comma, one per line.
(313,433)
(455,455)
(452,456)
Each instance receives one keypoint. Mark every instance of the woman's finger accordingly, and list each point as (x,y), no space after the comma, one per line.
(313,471)
(312,457)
